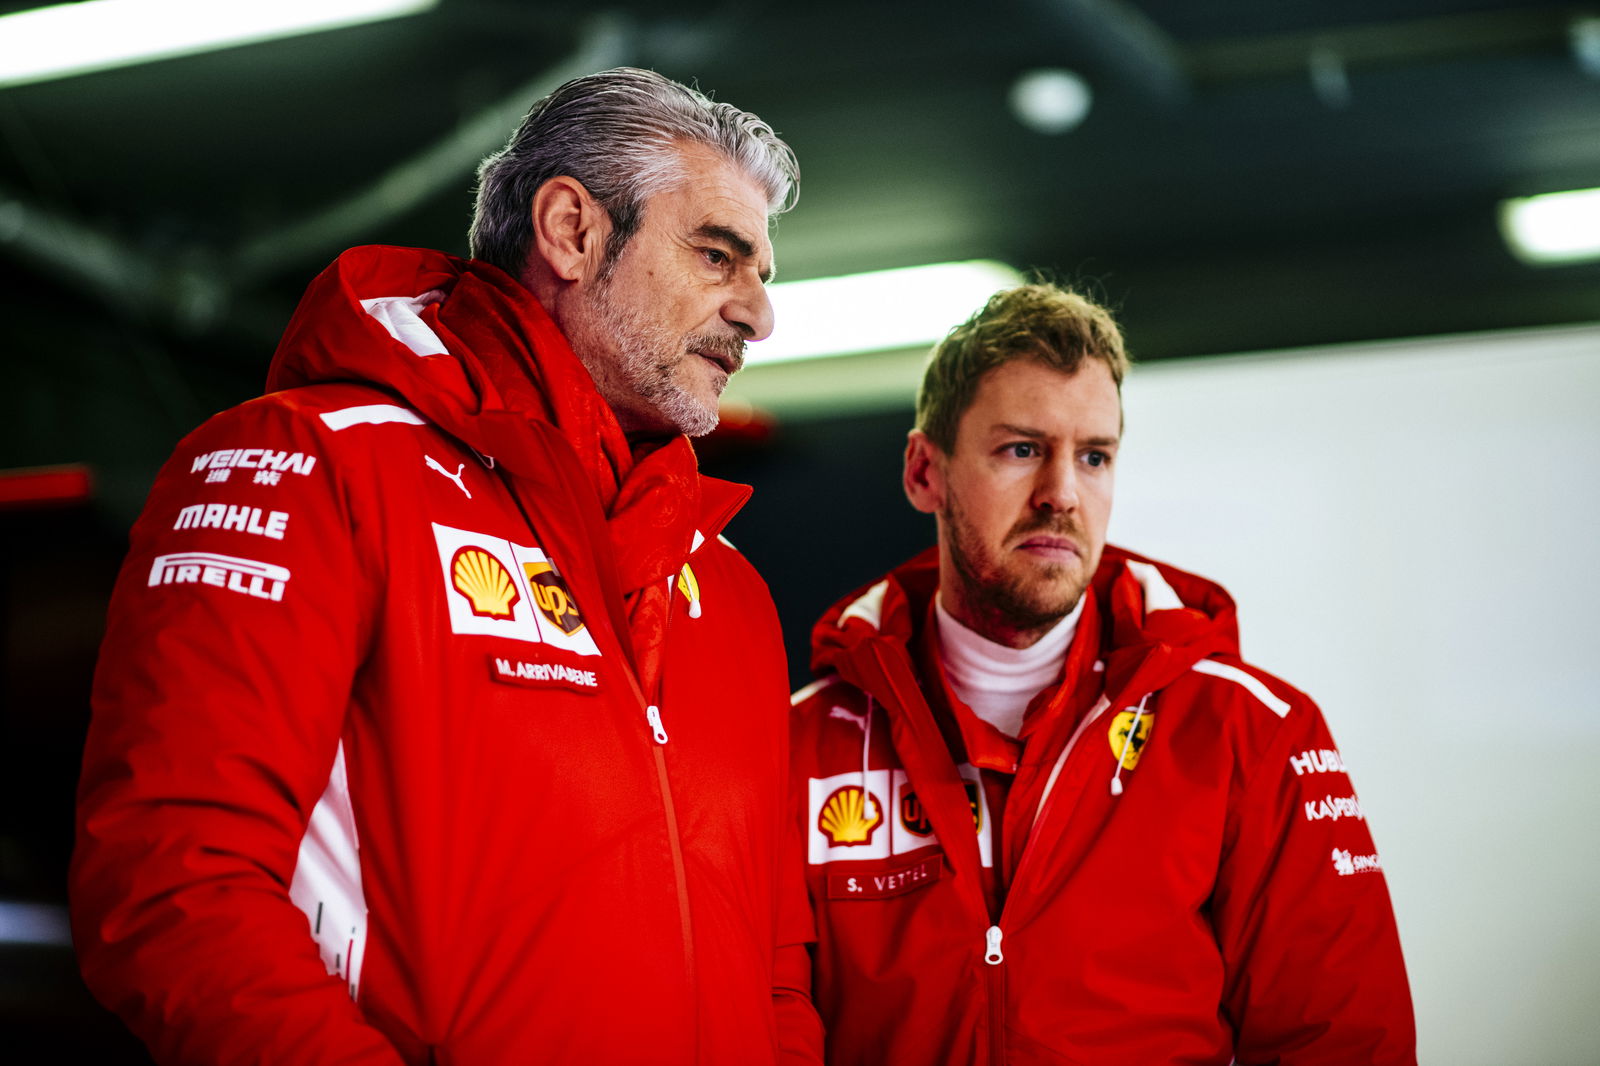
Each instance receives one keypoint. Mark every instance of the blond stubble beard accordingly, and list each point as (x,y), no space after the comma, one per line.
(1006,602)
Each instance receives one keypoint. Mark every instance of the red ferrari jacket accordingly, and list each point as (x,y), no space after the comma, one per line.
(430,726)
(1170,866)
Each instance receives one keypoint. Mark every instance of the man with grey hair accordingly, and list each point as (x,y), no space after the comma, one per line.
(435,722)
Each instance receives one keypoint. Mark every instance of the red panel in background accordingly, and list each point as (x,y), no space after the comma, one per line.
(45,486)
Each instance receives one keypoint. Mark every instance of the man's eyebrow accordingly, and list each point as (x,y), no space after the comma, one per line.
(1012,430)
(735,240)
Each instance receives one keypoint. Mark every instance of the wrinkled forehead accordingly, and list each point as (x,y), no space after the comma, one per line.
(712,193)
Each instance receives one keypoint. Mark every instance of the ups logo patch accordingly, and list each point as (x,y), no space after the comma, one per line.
(552,598)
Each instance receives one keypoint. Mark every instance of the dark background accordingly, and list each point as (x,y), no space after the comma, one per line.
(158,222)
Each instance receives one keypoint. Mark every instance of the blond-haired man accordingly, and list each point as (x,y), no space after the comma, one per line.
(1050,815)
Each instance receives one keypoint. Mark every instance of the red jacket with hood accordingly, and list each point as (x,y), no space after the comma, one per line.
(1170,866)
(431,725)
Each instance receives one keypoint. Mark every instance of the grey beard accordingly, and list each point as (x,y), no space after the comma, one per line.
(646,363)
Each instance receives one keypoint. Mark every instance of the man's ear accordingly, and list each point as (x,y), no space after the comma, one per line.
(923,477)
(570,229)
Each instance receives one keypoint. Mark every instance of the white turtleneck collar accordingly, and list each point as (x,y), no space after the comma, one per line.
(998,682)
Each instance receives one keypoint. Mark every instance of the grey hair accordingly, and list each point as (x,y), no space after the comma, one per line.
(618,133)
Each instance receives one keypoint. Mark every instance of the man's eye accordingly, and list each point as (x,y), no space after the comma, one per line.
(1023,449)
(714,256)
(1096,458)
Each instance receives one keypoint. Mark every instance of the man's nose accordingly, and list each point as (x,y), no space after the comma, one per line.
(1056,488)
(749,311)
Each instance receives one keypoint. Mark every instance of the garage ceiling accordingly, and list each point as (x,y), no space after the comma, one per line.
(1253,173)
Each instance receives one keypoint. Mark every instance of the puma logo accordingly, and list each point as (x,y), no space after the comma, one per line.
(857,720)
(456,477)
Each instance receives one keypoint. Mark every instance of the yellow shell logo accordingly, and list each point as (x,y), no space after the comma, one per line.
(850,816)
(485,582)
(1123,746)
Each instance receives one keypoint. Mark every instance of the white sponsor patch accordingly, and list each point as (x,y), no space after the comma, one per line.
(1333,808)
(489,585)
(1321,761)
(262,581)
(845,825)
(254,459)
(238,519)
(1346,864)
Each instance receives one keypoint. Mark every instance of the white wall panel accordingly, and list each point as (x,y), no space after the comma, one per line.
(1412,531)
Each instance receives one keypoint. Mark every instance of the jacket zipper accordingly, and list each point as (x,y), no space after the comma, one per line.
(993,955)
(995,980)
(679,877)
(658,733)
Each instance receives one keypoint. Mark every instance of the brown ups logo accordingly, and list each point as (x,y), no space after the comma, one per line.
(914,818)
(551,595)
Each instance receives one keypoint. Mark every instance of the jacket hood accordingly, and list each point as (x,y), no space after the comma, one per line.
(458,340)
(1155,620)
(472,351)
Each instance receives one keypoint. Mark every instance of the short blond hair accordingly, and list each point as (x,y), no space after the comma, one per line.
(1040,321)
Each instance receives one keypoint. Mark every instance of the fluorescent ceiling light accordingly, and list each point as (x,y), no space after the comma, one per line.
(64,39)
(1052,100)
(885,310)
(34,923)
(1558,227)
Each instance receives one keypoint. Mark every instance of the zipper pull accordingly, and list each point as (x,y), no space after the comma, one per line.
(991,944)
(653,714)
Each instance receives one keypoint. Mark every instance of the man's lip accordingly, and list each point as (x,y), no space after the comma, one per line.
(723,361)
(1051,543)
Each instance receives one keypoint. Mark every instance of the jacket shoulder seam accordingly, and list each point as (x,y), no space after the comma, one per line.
(1247,680)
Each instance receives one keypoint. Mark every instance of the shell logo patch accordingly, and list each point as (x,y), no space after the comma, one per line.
(485,582)
(496,588)
(1127,748)
(850,816)
(849,823)
(552,597)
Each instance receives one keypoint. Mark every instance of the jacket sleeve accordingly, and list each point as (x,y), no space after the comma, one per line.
(1301,910)
(219,699)
(800,1039)
(799,1028)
